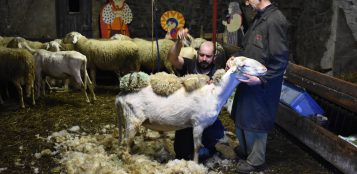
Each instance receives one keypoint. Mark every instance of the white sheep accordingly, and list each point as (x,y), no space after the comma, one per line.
(60,65)
(120,57)
(17,66)
(55,46)
(182,109)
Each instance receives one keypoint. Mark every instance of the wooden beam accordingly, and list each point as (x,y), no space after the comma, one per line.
(338,152)
(338,91)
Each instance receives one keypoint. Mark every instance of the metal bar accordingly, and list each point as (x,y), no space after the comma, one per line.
(338,152)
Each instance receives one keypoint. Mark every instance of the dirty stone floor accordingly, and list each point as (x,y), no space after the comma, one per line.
(20,130)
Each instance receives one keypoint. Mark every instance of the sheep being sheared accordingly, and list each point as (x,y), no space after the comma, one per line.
(198,108)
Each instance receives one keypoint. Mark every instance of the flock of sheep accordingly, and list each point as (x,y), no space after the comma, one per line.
(27,63)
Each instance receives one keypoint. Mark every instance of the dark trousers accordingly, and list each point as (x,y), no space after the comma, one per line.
(183,144)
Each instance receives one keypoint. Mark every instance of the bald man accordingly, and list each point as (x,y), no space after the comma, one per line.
(203,63)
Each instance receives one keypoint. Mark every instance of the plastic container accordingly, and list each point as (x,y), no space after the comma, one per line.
(299,100)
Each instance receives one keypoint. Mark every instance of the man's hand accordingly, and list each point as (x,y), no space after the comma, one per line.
(251,80)
(181,34)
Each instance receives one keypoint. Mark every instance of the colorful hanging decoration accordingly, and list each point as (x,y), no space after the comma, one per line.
(233,23)
(114,17)
(172,21)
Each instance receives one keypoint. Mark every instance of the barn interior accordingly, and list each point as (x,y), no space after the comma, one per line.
(62,133)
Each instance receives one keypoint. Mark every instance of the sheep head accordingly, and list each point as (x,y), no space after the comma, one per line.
(53,46)
(249,66)
(72,37)
(16,42)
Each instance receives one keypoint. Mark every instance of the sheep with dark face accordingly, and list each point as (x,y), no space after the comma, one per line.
(14,43)
(120,57)
(17,66)
(198,108)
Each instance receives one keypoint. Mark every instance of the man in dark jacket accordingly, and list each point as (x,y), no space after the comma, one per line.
(257,98)
(202,64)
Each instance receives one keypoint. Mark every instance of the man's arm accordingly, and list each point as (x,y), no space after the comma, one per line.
(173,56)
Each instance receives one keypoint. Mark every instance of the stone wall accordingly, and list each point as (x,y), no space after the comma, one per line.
(312,32)
(30,18)
(322,33)
(342,48)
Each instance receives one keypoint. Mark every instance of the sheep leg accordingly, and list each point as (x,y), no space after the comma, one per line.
(164,139)
(130,133)
(79,81)
(83,88)
(37,86)
(43,87)
(65,85)
(49,84)
(197,134)
(131,127)
(120,123)
(20,92)
(92,74)
(90,86)
(33,94)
